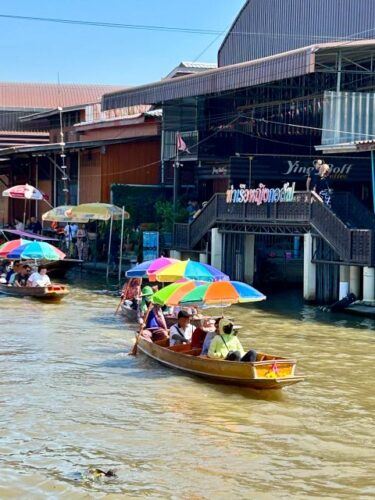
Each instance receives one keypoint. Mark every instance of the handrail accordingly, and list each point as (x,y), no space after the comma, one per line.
(352,244)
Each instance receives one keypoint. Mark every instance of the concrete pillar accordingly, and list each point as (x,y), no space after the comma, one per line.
(309,269)
(344,282)
(249,260)
(175,254)
(369,283)
(203,258)
(355,280)
(216,248)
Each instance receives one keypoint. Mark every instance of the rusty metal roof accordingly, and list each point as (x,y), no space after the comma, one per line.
(247,74)
(15,95)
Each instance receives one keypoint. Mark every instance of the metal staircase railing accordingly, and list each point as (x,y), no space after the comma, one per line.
(353,244)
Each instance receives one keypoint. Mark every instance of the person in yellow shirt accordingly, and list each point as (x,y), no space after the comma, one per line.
(225,345)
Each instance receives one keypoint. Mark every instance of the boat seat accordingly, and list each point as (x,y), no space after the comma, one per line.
(162,343)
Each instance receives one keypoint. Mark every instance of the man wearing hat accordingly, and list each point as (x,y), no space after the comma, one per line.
(182,331)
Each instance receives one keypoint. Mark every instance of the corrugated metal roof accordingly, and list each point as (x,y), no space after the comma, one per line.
(50,95)
(216,80)
(186,68)
(247,74)
(199,65)
(267,27)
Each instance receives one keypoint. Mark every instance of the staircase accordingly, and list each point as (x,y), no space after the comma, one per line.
(348,228)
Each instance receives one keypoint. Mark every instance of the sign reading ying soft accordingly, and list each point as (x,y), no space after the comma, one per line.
(261,195)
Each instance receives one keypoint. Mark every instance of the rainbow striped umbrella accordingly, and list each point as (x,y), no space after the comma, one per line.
(172,294)
(38,250)
(149,267)
(9,246)
(189,269)
(217,294)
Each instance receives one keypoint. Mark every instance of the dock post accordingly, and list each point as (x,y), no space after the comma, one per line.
(175,254)
(355,280)
(369,283)
(309,269)
(249,258)
(344,282)
(216,248)
(203,257)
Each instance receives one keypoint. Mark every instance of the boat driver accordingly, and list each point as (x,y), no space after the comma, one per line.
(182,331)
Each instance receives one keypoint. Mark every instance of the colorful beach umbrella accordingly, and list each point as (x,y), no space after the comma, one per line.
(24,192)
(172,294)
(149,267)
(221,294)
(97,211)
(58,214)
(9,246)
(37,250)
(189,269)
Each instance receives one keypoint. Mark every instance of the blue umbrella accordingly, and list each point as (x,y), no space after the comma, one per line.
(36,250)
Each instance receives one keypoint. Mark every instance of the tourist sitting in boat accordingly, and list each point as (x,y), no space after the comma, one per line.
(156,327)
(131,293)
(21,278)
(208,339)
(226,345)
(206,327)
(12,272)
(146,295)
(39,278)
(182,331)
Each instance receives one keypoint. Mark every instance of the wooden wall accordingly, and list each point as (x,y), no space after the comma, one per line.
(89,176)
(129,163)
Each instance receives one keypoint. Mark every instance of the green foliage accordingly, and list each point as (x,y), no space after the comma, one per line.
(166,215)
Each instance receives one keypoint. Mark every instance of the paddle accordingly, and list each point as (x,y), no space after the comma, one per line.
(134,351)
(123,297)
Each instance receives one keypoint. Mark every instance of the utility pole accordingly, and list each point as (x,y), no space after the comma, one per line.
(65,177)
(176,166)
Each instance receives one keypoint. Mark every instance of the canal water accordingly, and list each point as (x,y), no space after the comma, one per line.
(71,400)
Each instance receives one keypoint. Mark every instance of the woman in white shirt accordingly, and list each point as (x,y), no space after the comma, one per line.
(40,278)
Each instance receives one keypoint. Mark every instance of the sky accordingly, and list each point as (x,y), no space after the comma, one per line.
(34,51)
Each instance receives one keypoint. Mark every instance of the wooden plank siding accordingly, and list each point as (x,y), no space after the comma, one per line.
(129,163)
(90,176)
(123,164)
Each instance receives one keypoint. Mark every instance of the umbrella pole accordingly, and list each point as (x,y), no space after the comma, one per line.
(122,241)
(109,246)
(24,213)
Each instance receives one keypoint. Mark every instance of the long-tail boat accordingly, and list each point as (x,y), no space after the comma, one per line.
(267,372)
(52,293)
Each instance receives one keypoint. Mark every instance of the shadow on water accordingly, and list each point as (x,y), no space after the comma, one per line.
(143,368)
(291,305)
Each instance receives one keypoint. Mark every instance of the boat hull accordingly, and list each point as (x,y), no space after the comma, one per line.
(53,293)
(269,374)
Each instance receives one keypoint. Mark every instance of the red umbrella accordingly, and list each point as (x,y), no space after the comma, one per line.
(24,192)
(9,246)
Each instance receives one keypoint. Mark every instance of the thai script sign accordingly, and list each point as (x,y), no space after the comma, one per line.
(261,195)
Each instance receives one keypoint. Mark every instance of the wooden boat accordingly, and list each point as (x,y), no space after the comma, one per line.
(53,293)
(129,313)
(268,372)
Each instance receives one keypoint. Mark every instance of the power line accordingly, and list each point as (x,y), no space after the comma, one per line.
(178,29)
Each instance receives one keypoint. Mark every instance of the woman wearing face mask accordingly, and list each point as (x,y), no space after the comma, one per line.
(226,345)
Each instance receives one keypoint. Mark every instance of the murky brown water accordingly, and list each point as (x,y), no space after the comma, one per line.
(71,400)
